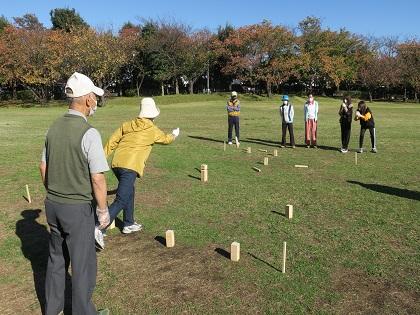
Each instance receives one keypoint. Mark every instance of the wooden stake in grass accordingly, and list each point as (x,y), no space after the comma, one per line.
(289,211)
(224,145)
(283,269)
(237,142)
(275,153)
(248,150)
(262,150)
(204,173)
(355,158)
(112,225)
(256,169)
(28,195)
(301,166)
(235,251)
(170,238)
(266,161)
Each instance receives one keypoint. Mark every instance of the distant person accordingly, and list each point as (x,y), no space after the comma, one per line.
(132,144)
(234,110)
(364,114)
(310,110)
(286,115)
(346,116)
(72,167)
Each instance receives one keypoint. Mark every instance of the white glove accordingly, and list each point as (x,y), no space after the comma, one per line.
(175,132)
(103,217)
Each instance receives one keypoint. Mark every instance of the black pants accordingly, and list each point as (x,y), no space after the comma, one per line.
(372,132)
(233,121)
(345,134)
(74,225)
(284,127)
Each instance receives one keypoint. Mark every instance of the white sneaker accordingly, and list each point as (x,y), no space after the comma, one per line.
(360,150)
(374,150)
(230,142)
(132,228)
(344,150)
(99,239)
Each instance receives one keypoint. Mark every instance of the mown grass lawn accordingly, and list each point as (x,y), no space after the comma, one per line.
(353,244)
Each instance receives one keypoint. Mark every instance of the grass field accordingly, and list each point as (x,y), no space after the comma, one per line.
(353,244)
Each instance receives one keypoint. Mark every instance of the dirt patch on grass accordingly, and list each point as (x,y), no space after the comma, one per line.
(363,294)
(172,280)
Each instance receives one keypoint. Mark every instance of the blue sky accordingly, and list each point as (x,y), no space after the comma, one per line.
(368,17)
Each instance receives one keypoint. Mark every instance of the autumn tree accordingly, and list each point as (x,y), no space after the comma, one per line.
(66,19)
(408,58)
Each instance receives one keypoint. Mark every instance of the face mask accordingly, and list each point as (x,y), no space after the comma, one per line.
(311,99)
(285,102)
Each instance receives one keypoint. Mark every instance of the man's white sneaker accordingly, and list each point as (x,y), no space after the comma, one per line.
(230,142)
(99,239)
(132,228)
(344,150)
(360,150)
(374,150)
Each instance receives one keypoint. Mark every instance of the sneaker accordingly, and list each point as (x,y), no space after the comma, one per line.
(281,145)
(103,311)
(315,147)
(293,147)
(374,150)
(230,142)
(308,146)
(99,239)
(132,228)
(360,150)
(344,150)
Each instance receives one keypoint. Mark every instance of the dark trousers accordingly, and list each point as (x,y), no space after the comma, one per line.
(284,127)
(345,134)
(233,121)
(125,195)
(72,235)
(372,132)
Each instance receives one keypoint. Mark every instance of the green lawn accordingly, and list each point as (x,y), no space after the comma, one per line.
(353,243)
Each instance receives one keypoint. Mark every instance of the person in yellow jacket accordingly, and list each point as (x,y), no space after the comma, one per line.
(132,144)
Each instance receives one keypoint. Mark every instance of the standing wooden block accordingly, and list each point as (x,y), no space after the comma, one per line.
(170,238)
(355,158)
(275,153)
(283,269)
(204,173)
(28,195)
(248,150)
(289,211)
(235,251)
(112,225)
(237,142)
(224,145)
(266,161)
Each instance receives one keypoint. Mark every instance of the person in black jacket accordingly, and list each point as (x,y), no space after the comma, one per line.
(346,114)
(365,116)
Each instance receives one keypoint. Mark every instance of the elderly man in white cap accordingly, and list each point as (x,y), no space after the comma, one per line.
(72,167)
(233,108)
(132,144)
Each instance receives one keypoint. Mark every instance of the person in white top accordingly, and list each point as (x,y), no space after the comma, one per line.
(310,110)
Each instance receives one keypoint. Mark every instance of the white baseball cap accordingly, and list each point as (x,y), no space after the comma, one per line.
(79,84)
(148,108)
(234,93)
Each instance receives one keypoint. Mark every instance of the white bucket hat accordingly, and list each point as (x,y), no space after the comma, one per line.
(78,85)
(148,108)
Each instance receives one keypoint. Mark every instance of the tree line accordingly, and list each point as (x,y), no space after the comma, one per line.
(166,57)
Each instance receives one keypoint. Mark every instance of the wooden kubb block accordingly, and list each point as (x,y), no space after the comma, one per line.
(235,251)
(170,238)
(289,211)
(266,161)
(204,173)
(248,150)
(275,153)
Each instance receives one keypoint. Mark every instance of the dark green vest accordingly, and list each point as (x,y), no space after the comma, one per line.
(67,176)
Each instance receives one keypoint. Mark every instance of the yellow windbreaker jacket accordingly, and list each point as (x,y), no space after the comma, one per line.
(133,142)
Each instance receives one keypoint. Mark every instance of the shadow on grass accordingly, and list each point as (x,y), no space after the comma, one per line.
(262,142)
(279,213)
(222,252)
(34,239)
(263,261)
(403,193)
(160,239)
(195,177)
(327,148)
(206,139)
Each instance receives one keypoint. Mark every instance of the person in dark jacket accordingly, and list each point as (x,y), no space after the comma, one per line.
(233,108)
(364,114)
(286,115)
(346,114)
